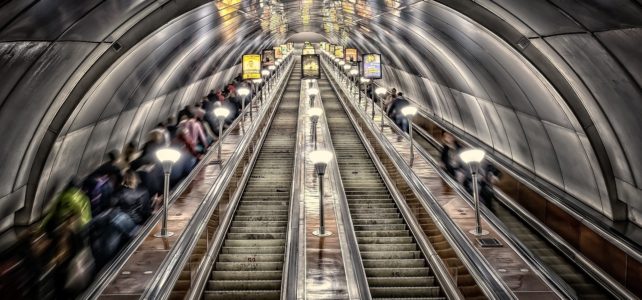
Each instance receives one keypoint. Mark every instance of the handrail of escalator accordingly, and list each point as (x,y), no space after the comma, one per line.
(163,281)
(358,287)
(441,271)
(553,278)
(589,267)
(604,279)
(561,286)
(109,272)
(289,282)
(484,275)
(544,189)
(206,263)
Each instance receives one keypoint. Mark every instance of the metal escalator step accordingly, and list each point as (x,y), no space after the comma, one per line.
(257,256)
(406,291)
(242,295)
(392,263)
(381,233)
(231,285)
(402,281)
(390,254)
(248,266)
(252,250)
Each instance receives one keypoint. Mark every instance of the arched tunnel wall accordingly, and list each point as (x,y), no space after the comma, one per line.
(552,86)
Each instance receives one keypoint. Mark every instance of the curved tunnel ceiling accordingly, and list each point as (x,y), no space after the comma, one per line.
(552,87)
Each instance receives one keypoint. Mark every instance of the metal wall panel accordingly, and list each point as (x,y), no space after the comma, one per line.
(612,89)
(46,20)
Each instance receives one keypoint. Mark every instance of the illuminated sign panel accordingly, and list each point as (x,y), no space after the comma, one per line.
(268,58)
(310,66)
(338,51)
(277,52)
(251,66)
(372,66)
(351,55)
(308,50)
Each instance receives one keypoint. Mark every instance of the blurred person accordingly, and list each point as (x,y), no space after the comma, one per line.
(449,159)
(132,199)
(161,128)
(489,177)
(66,224)
(394,112)
(171,127)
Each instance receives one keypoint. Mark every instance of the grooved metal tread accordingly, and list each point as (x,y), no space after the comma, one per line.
(250,263)
(394,265)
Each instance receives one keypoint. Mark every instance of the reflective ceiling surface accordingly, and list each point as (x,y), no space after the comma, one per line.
(552,86)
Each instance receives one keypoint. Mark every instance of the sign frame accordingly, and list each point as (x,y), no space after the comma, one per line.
(378,75)
(277,52)
(356,55)
(339,49)
(269,55)
(307,75)
(252,73)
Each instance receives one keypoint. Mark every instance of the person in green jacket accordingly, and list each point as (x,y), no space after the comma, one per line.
(72,202)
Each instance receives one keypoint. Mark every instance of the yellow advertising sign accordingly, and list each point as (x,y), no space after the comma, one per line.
(308,50)
(284,49)
(251,66)
(331,49)
(338,51)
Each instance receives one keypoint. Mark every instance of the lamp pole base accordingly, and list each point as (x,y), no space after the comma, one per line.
(216,162)
(324,234)
(474,232)
(163,234)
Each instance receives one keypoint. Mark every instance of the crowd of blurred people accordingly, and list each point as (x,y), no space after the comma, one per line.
(394,101)
(93,218)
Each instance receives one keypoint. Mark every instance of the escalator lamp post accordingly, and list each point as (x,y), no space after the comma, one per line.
(314,114)
(257,82)
(409,112)
(277,63)
(312,93)
(321,158)
(380,92)
(265,73)
(271,70)
(168,157)
(473,159)
(220,113)
(346,69)
(243,92)
(362,81)
(311,83)
(353,74)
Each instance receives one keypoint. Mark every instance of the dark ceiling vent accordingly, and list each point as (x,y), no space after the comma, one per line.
(117,46)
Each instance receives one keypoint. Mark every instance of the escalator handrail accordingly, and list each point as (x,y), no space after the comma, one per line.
(552,237)
(162,283)
(443,276)
(105,277)
(289,282)
(485,276)
(206,263)
(358,287)
(492,285)
(561,199)
(561,286)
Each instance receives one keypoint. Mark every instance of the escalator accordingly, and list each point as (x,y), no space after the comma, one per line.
(395,266)
(584,286)
(250,262)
